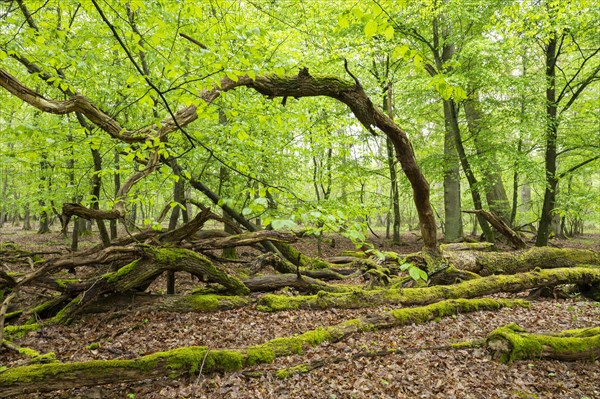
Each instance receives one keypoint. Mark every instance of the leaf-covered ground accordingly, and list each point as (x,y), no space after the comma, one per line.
(404,362)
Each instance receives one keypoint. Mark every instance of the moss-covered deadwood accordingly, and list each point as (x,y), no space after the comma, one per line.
(488,263)
(420,296)
(509,343)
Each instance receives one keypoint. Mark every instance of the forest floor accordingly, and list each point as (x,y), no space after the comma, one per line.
(413,361)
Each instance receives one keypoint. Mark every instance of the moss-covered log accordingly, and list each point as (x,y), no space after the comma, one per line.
(49,377)
(139,273)
(168,303)
(511,342)
(420,296)
(278,281)
(488,263)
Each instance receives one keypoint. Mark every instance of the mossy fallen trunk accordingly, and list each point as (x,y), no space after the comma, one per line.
(141,272)
(488,263)
(511,342)
(421,296)
(275,282)
(167,303)
(49,377)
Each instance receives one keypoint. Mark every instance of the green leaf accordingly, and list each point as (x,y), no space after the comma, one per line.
(232,76)
(414,273)
(371,28)
(343,21)
(400,51)
(279,224)
(388,33)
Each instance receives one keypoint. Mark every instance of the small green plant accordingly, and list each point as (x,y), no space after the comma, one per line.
(414,272)
(131,396)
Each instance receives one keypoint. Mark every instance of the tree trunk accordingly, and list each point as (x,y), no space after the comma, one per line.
(421,296)
(394,193)
(96,187)
(451,116)
(551,136)
(494,187)
(453,229)
(117,182)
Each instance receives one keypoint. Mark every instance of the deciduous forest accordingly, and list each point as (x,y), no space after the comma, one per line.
(299,199)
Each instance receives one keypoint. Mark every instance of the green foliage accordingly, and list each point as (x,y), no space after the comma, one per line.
(307,163)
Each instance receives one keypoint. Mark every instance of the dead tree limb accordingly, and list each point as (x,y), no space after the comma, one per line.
(502,227)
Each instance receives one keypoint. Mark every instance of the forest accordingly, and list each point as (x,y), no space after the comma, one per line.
(299,199)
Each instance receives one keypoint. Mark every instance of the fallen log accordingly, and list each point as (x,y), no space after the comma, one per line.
(421,296)
(511,342)
(488,263)
(167,303)
(275,282)
(141,272)
(195,359)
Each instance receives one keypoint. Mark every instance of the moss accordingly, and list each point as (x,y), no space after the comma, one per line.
(62,316)
(63,283)
(415,296)
(93,346)
(290,371)
(169,255)
(522,345)
(123,271)
(37,357)
(211,302)
(19,331)
(318,264)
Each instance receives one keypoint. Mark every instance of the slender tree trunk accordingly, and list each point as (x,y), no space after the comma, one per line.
(27,218)
(117,181)
(96,187)
(44,226)
(551,135)
(391,161)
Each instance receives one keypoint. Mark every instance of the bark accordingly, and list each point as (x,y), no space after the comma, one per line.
(140,301)
(453,229)
(199,359)
(244,239)
(451,111)
(502,227)
(394,192)
(551,149)
(141,272)
(509,343)
(494,187)
(420,296)
(488,263)
(95,205)
(305,284)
